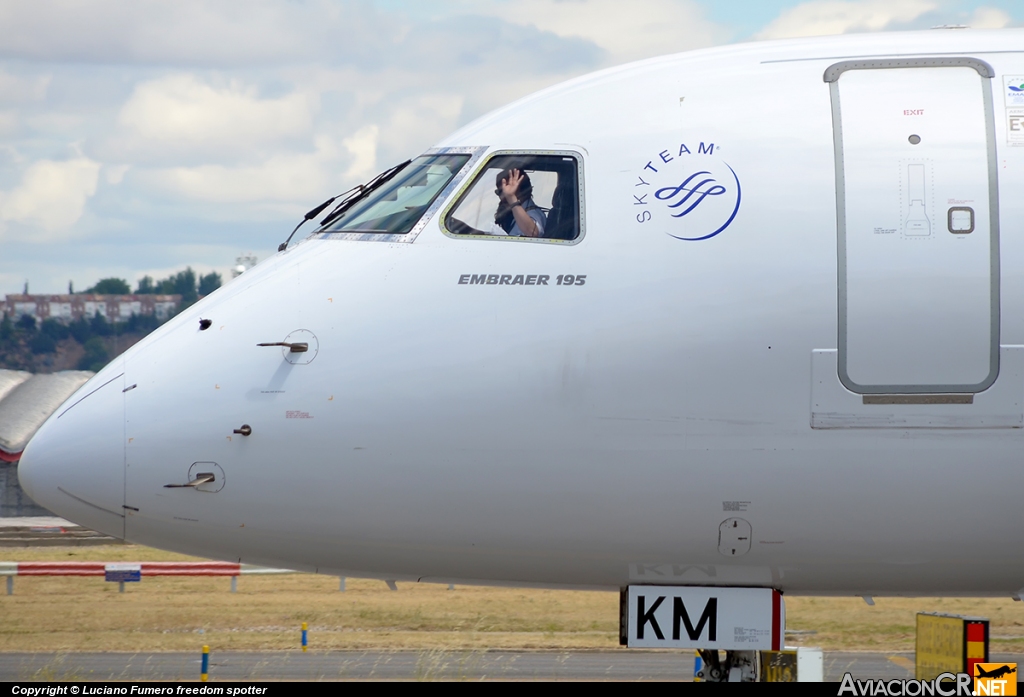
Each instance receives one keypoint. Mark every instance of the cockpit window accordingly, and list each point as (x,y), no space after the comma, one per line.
(527,196)
(398,204)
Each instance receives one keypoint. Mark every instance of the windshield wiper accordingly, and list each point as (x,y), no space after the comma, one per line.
(348,199)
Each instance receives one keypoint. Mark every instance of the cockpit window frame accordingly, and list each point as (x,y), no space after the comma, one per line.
(466,184)
(474,152)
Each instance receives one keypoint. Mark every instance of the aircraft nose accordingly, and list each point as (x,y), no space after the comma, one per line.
(74,465)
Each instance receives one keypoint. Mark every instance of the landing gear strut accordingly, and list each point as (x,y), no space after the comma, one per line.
(737,666)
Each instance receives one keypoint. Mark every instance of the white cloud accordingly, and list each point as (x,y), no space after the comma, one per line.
(413,124)
(9,122)
(989,18)
(139,31)
(363,147)
(183,112)
(333,163)
(296,178)
(826,17)
(51,197)
(265,33)
(286,177)
(16,88)
(114,174)
(626,30)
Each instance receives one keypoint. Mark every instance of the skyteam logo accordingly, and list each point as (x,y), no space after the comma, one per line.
(687,193)
(1014,93)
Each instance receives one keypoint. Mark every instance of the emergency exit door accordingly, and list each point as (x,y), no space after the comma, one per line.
(918,225)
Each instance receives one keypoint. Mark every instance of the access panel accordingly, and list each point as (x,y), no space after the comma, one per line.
(917,224)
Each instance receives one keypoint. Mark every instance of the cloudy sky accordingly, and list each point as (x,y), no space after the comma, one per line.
(141,136)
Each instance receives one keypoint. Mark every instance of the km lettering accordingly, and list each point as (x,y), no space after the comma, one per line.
(679,617)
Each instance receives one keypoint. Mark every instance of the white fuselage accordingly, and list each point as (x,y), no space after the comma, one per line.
(599,435)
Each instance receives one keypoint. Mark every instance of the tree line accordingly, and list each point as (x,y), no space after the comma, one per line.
(24,339)
(184,283)
(41,338)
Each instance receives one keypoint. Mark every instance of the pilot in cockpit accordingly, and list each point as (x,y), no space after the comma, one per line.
(517,214)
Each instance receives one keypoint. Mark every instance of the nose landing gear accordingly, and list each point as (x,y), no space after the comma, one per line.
(737,666)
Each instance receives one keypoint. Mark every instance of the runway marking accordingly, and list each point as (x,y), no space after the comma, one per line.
(903,662)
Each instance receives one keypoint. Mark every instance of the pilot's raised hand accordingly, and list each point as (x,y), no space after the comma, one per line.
(510,186)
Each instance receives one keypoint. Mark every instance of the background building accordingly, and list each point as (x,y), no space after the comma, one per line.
(68,308)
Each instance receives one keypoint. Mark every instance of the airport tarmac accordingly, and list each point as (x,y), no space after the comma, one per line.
(413,665)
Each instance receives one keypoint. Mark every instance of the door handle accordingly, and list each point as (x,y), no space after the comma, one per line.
(201,478)
(300,347)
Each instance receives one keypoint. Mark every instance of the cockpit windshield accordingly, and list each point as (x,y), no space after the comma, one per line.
(396,206)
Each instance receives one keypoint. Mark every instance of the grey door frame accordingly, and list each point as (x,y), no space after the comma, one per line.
(831,76)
